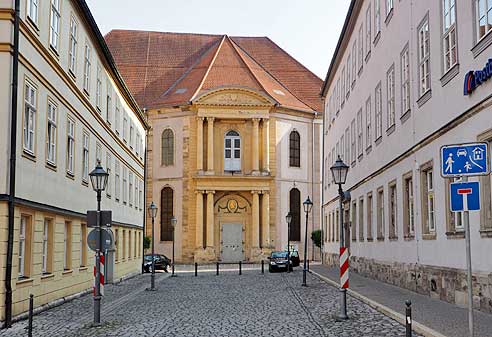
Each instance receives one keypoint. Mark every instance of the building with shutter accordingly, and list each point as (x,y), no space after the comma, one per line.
(234,144)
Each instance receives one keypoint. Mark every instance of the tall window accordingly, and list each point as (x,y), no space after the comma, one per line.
(140,195)
(67,246)
(369,217)
(360,132)
(98,153)
(454,219)
(123,243)
(167,147)
(137,144)
(30,100)
(125,184)
(347,144)
(368,123)
(449,33)
(393,212)
(361,219)
(132,138)
(117,182)
(109,105)
(166,214)
(390,87)
(377,17)
(232,151)
(428,200)
(109,171)
(354,62)
(347,77)
(55,24)
(47,257)
(353,143)
(405,81)
(353,223)
(295,212)
(368,30)
(32,10)
(342,148)
(484,17)
(295,149)
(424,57)
(389,6)
(136,195)
(87,68)
(117,115)
(125,127)
(72,54)
(51,134)
(380,205)
(408,206)
(379,111)
(342,92)
(70,146)
(85,158)
(130,189)
(83,245)
(98,87)
(24,246)
(361,48)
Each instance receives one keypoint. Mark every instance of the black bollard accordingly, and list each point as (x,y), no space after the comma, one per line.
(408,319)
(217,273)
(31,308)
(196,269)
(262,267)
(240,268)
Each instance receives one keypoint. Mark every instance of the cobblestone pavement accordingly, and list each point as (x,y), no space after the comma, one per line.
(227,305)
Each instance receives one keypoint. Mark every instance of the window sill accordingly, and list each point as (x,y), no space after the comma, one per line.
(353,163)
(376,38)
(390,130)
(24,281)
(388,17)
(354,239)
(29,155)
(70,175)
(67,272)
(482,44)
(486,233)
(83,268)
(51,166)
(393,238)
(72,75)
(54,51)
(86,93)
(450,74)
(455,235)
(353,84)
(47,276)
(380,238)
(409,237)
(424,98)
(379,140)
(368,56)
(429,236)
(359,73)
(85,183)
(360,157)
(405,116)
(33,25)
(368,149)
(369,239)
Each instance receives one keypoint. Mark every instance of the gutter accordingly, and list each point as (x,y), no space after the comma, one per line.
(145,191)
(13,154)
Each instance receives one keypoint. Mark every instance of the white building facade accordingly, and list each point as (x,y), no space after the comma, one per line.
(396,91)
(73,110)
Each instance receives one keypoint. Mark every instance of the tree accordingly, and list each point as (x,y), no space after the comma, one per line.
(146,242)
(316,236)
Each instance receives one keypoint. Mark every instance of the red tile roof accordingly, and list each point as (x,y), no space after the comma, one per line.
(169,69)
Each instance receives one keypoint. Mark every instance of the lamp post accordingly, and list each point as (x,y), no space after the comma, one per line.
(288,218)
(308,204)
(339,171)
(152,213)
(99,181)
(173,223)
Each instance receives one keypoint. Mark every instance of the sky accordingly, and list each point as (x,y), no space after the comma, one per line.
(307,29)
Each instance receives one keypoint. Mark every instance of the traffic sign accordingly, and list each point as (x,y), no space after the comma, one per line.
(92,218)
(106,236)
(465,196)
(464,160)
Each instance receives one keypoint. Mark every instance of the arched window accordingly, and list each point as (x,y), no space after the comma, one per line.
(166,214)
(295,149)
(232,151)
(295,211)
(168,147)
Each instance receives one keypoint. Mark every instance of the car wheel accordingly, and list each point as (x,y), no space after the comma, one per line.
(270,269)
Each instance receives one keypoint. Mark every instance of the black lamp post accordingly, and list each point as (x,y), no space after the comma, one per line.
(152,213)
(173,223)
(339,171)
(308,205)
(288,218)
(99,181)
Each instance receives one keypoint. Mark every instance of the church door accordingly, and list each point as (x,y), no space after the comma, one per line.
(231,243)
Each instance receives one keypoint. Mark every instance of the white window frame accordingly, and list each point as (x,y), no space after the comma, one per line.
(22,245)
(347,144)
(70,146)
(109,101)
(353,142)
(431,220)
(389,7)
(130,188)
(131,136)
(125,125)
(30,111)
(342,92)
(405,80)
(98,87)
(354,62)
(485,16)
(377,17)
(98,153)
(85,157)
(360,132)
(125,184)
(390,92)
(117,182)
(368,123)
(450,37)
(361,48)
(423,52)
(55,24)
(87,68)
(46,233)
(140,195)
(368,30)
(348,74)
(72,54)
(378,111)
(136,195)
(410,206)
(109,171)
(117,115)
(66,247)
(51,133)
(33,10)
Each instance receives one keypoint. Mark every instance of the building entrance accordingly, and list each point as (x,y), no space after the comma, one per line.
(231,243)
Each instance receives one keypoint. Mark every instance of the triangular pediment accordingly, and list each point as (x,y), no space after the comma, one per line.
(233,97)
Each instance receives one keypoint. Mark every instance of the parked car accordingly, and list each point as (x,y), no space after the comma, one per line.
(294,258)
(161,262)
(278,262)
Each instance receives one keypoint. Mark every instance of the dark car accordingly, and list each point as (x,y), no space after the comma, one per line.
(161,262)
(294,258)
(278,262)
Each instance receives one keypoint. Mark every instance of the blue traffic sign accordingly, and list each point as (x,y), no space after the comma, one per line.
(464,160)
(465,196)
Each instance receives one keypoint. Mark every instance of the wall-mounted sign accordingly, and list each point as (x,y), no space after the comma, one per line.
(475,78)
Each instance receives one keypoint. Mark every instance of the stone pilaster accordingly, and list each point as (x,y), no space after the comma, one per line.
(265,219)
(199,144)
(199,219)
(210,145)
(266,145)
(255,150)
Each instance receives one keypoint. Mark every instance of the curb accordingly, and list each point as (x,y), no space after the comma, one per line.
(416,326)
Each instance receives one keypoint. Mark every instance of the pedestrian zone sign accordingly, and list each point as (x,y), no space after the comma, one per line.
(464,160)
(465,196)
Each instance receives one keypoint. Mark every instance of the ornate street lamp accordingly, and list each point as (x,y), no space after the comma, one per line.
(288,218)
(308,205)
(152,213)
(173,223)
(99,181)
(339,171)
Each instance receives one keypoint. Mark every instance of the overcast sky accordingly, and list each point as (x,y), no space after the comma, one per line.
(306,29)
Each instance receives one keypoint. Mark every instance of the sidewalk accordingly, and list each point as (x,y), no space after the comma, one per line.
(445,318)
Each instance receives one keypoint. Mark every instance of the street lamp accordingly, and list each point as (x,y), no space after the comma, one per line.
(288,218)
(99,181)
(339,171)
(308,204)
(173,223)
(152,213)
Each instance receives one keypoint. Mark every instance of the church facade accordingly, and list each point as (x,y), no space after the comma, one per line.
(234,143)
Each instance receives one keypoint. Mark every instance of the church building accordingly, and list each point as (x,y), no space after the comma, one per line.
(234,145)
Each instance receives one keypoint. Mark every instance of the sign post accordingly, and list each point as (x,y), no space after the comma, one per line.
(462,161)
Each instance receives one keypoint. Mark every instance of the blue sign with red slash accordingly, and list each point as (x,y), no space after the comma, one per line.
(465,196)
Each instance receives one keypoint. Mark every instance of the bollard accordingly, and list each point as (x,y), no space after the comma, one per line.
(408,319)
(31,307)
(217,273)
(196,269)
(240,268)
(262,267)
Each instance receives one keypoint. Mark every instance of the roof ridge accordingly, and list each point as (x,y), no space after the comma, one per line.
(159,32)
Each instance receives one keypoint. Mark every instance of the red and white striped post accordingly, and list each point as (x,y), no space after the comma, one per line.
(101,275)
(344,268)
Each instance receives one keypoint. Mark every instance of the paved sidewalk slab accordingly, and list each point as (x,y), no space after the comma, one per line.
(448,319)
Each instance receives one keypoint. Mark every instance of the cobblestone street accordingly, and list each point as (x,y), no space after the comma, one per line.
(208,305)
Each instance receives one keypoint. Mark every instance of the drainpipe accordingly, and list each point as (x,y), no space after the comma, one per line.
(13,144)
(145,190)
(312,178)
(323,168)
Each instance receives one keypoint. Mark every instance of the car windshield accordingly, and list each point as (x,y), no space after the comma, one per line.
(149,257)
(276,255)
